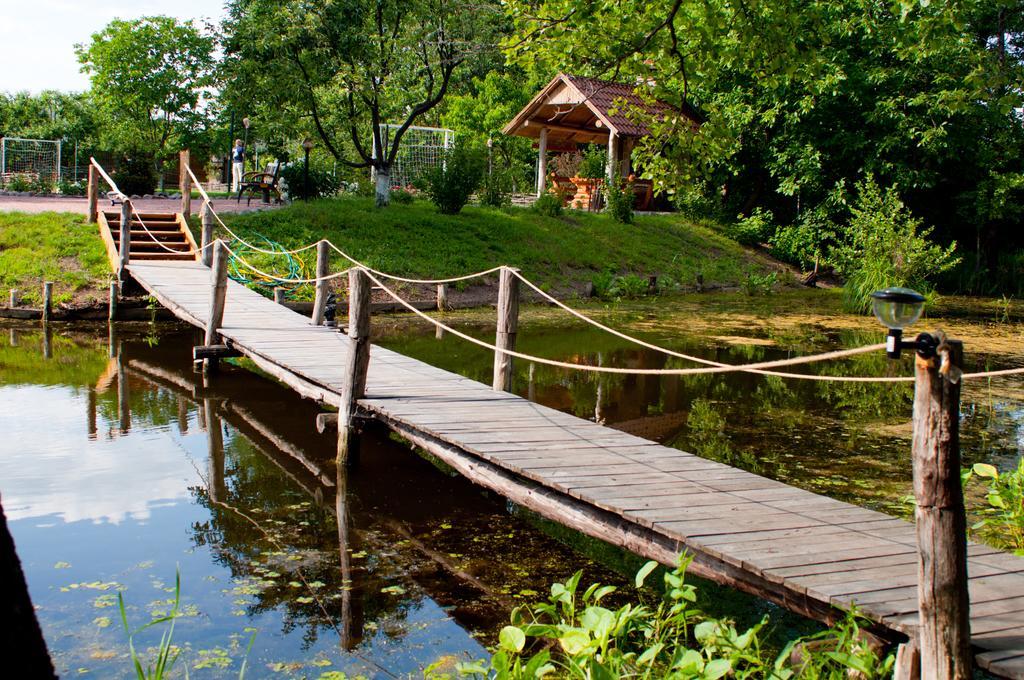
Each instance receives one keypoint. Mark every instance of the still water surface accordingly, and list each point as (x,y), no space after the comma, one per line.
(119,466)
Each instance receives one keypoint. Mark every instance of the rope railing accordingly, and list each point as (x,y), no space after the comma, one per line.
(245,262)
(107,178)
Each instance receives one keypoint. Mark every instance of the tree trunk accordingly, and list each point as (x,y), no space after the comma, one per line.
(382,193)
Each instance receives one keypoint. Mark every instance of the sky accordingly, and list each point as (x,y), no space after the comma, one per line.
(37,37)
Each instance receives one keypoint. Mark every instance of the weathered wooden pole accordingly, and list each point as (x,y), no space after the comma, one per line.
(47,341)
(91,413)
(112,294)
(92,192)
(184,158)
(357,361)
(508,324)
(124,411)
(182,415)
(125,246)
(218,295)
(206,215)
(215,439)
(943,601)
(15,298)
(47,301)
(323,264)
(442,297)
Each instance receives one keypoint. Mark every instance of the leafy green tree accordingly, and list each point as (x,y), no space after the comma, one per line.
(799,97)
(340,69)
(151,78)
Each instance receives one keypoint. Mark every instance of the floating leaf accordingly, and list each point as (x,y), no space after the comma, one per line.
(101,622)
(62,565)
(511,638)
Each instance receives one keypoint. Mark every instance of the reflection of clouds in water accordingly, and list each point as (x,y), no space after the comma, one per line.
(44,472)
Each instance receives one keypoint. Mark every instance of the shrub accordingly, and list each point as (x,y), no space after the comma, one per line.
(884,245)
(1003,523)
(549,204)
(630,286)
(602,283)
(759,284)
(620,198)
(592,165)
(402,196)
(450,184)
(69,188)
(21,181)
(135,175)
(753,230)
(321,182)
(496,189)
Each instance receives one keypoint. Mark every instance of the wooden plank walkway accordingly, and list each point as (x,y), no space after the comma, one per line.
(802,550)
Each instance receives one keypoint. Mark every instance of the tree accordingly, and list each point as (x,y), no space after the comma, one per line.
(339,69)
(151,77)
(800,98)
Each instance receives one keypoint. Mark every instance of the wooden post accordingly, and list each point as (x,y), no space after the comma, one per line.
(91,413)
(125,247)
(279,295)
(15,298)
(508,324)
(357,361)
(943,601)
(184,158)
(124,410)
(542,162)
(442,297)
(47,341)
(112,303)
(215,440)
(218,294)
(206,214)
(323,268)
(612,157)
(908,662)
(93,193)
(47,301)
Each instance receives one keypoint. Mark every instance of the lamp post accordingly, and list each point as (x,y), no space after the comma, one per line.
(245,136)
(307,146)
(943,639)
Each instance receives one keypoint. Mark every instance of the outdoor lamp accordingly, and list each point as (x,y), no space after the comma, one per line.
(307,146)
(898,308)
(245,122)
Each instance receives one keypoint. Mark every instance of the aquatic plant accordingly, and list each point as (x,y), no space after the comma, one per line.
(1004,517)
(572,635)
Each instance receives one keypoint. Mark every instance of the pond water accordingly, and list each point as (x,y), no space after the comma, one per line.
(120,466)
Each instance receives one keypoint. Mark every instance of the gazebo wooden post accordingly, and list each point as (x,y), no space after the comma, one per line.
(542,162)
(611,156)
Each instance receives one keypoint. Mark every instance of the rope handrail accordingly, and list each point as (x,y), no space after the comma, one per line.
(106,177)
(402,279)
(198,185)
(278,278)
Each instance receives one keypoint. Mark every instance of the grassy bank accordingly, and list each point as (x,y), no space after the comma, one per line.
(58,247)
(415,240)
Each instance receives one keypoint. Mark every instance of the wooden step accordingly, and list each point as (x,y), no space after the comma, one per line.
(146,234)
(164,255)
(158,248)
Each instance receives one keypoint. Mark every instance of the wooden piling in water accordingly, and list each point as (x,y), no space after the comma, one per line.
(125,246)
(185,158)
(47,301)
(279,295)
(508,325)
(944,637)
(357,361)
(206,215)
(92,193)
(442,297)
(218,294)
(112,294)
(323,265)
(15,298)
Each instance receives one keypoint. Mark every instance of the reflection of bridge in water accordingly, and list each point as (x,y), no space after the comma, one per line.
(370,516)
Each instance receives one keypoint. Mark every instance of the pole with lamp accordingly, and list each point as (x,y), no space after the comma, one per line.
(307,146)
(942,648)
(245,139)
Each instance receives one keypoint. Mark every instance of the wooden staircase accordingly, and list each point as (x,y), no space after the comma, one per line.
(170,229)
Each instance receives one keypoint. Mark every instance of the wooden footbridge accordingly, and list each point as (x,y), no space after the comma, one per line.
(806,552)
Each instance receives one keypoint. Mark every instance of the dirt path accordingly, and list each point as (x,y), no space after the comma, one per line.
(39,204)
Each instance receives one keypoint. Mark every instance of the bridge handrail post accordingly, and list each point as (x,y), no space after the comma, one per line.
(357,361)
(93,194)
(125,245)
(206,238)
(940,517)
(218,296)
(442,297)
(508,325)
(184,159)
(323,264)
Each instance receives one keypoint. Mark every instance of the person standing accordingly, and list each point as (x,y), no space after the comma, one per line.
(237,165)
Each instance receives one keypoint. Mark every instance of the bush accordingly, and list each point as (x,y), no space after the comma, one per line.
(496,189)
(450,184)
(592,165)
(321,182)
(759,284)
(21,181)
(135,176)
(68,188)
(620,198)
(402,196)
(884,245)
(753,230)
(549,204)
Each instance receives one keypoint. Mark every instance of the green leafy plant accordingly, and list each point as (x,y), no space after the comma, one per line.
(1004,520)
(759,284)
(496,189)
(549,204)
(166,653)
(602,283)
(752,230)
(71,188)
(592,164)
(402,196)
(619,197)
(321,182)
(630,286)
(575,635)
(450,184)
(135,175)
(885,245)
(21,181)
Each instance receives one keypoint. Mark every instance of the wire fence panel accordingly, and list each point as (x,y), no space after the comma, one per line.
(30,164)
(421,149)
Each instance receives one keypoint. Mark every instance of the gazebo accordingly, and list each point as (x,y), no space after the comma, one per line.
(573,110)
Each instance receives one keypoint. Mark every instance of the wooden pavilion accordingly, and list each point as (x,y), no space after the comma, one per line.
(573,110)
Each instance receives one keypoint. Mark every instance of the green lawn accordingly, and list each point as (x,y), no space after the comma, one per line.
(415,240)
(58,247)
